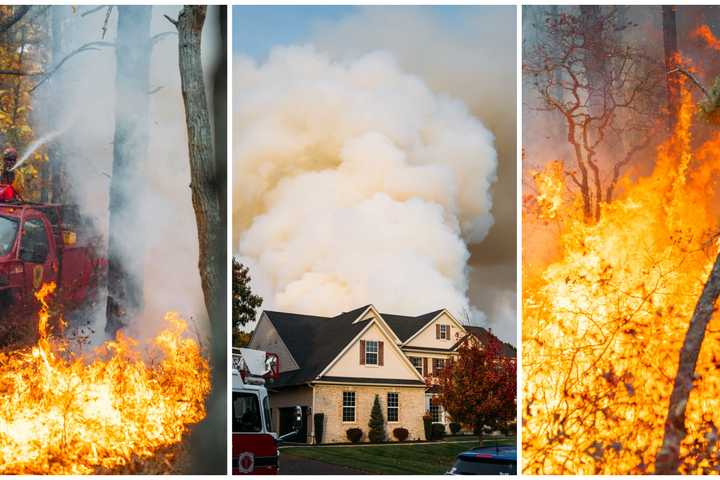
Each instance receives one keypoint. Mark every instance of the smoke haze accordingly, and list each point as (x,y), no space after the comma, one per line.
(166,235)
(364,171)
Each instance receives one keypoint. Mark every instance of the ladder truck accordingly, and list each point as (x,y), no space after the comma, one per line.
(254,443)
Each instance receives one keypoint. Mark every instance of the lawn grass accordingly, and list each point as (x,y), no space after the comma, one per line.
(417,459)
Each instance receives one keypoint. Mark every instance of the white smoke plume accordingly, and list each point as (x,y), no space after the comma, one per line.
(166,235)
(355,183)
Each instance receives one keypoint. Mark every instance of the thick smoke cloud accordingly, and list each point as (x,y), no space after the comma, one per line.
(473,59)
(166,235)
(355,183)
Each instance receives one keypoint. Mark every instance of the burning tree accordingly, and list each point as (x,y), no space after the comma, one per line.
(604,90)
(478,388)
(604,325)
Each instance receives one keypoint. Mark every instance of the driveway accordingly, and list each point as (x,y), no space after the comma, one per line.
(291,465)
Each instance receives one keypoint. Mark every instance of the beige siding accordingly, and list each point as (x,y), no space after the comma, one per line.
(427,337)
(328,400)
(394,365)
(266,338)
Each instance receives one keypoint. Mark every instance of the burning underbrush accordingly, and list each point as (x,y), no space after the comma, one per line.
(65,413)
(604,321)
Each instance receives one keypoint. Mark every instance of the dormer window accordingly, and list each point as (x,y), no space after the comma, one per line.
(371,352)
(443,332)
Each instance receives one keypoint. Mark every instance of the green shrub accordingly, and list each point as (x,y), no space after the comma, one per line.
(438,431)
(455,428)
(401,434)
(354,434)
(319,421)
(427,425)
(376,423)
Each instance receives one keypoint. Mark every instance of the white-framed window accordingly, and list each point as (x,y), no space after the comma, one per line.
(393,407)
(436,413)
(417,362)
(444,332)
(371,352)
(348,407)
(438,365)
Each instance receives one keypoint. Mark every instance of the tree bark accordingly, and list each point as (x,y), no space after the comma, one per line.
(58,15)
(206,183)
(668,457)
(671,59)
(125,257)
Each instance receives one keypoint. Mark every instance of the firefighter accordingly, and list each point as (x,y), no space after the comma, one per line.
(7,190)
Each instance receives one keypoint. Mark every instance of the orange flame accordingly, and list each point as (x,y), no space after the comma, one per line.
(61,414)
(704,33)
(604,323)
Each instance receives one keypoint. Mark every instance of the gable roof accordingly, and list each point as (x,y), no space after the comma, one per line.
(315,341)
(405,327)
(484,336)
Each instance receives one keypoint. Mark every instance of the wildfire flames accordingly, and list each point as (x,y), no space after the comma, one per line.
(64,414)
(603,324)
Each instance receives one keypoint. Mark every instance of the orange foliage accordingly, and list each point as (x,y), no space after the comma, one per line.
(64,414)
(603,323)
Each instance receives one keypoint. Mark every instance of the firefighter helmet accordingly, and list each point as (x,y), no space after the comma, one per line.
(10,154)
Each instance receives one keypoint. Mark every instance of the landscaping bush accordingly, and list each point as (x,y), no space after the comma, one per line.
(319,420)
(376,423)
(438,431)
(354,434)
(401,434)
(427,425)
(455,428)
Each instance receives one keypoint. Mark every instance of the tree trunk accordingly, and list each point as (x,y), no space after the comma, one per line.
(668,457)
(671,59)
(125,257)
(58,15)
(209,442)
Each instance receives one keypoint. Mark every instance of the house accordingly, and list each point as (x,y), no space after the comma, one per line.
(336,366)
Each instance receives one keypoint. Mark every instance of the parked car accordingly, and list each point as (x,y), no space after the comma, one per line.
(500,460)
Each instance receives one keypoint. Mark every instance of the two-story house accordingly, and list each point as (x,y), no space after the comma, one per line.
(337,365)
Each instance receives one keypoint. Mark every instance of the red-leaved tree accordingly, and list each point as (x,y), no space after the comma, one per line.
(478,388)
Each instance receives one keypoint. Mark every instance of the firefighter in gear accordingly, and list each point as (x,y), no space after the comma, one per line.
(7,190)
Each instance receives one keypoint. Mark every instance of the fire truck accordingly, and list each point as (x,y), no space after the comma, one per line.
(254,443)
(43,243)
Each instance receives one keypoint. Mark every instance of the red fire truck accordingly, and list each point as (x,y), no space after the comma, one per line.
(43,243)
(255,444)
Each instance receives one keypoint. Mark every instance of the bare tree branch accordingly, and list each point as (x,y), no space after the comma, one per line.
(84,48)
(692,79)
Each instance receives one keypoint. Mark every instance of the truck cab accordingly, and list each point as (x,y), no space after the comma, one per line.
(38,245)
(254,441)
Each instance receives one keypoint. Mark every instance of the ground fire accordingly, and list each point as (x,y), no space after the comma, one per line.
(67,413)
(603,323)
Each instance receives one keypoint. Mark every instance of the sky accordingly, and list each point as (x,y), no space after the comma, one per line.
(256,29)
(466,52)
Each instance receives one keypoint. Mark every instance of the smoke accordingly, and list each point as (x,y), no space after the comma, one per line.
(355,183)
(165,235)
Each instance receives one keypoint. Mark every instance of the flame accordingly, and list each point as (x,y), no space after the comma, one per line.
(603,324)
(64,414)
(704,33)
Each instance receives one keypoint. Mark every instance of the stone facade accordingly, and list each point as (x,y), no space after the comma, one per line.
(328,400)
